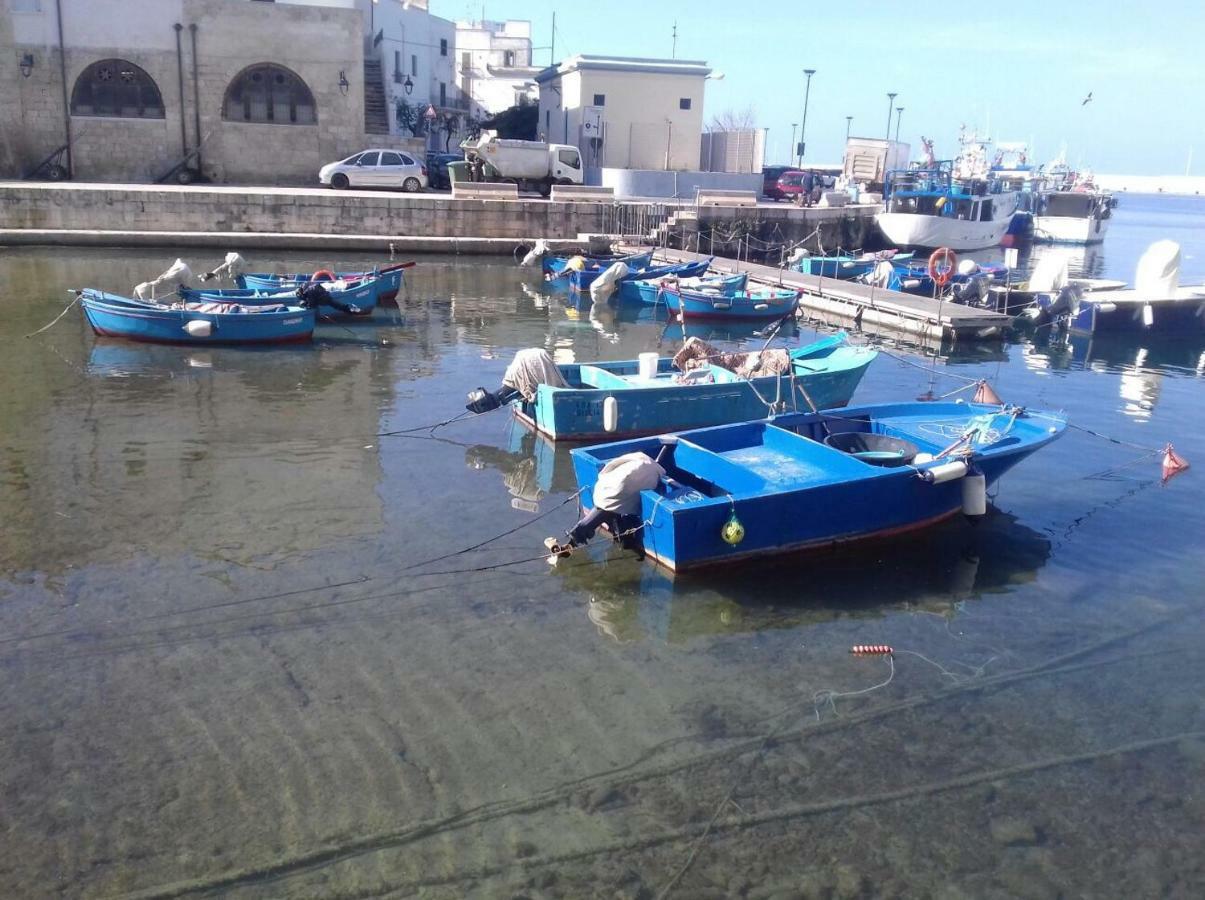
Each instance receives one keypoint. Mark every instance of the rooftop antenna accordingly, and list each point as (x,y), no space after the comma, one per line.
(674,52)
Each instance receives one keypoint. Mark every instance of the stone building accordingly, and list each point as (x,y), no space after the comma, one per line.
(268,91)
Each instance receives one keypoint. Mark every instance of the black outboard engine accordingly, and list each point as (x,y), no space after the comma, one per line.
(481,400)
(313,295)
(972,292)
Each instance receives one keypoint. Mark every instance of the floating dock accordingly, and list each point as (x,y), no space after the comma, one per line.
(865,307)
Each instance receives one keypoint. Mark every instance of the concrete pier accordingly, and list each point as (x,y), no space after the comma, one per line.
(868,308)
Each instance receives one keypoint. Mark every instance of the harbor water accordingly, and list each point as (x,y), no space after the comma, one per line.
(252,648)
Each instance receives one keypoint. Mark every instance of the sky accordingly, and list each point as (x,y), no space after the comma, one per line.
(1017,71)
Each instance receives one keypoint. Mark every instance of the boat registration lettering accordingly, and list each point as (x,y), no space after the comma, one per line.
(296,321)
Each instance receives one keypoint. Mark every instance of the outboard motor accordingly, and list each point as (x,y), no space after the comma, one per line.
(313,295)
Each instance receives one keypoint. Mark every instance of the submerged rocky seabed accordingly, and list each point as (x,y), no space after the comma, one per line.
(236,661)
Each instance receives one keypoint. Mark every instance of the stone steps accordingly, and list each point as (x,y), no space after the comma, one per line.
(376,113)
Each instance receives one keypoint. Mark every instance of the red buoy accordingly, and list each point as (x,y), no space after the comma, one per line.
(1173,464)
(985,394)
(871,650)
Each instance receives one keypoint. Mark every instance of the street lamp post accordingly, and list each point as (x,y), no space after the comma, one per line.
(849,120)
(803,128)
(791,149)
(890,109)
(899,114)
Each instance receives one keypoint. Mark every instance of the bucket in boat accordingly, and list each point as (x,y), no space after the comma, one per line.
(875,449)
(647,363)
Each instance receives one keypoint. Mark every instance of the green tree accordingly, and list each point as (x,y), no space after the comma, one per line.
(518,123)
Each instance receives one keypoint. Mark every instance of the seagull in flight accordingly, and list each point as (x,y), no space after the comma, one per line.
(1087,99)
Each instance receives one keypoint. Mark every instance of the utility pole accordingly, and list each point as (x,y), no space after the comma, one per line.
(899,114)
(673,54)
(849,120)
(890,110)
(552,54)
(794,125)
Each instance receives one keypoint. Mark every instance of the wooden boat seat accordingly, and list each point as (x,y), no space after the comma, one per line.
(607,380)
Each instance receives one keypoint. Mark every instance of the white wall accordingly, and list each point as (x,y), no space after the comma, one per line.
(643,121)
(130,23)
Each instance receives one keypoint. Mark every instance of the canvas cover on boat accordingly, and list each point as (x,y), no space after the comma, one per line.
(1158,273)
(531,368)
(621,481)
(696,353)
(179,275)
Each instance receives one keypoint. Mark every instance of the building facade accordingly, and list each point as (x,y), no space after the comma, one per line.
(268,92)
(494,69)
(625,112)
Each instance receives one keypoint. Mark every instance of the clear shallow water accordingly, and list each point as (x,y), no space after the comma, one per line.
(188,709)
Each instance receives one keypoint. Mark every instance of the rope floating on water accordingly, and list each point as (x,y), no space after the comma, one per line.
(53,322)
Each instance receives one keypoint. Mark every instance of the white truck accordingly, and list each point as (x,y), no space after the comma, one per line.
(532,165)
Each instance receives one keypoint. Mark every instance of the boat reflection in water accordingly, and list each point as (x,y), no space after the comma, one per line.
(933,572)
(1141,362)
(532,467)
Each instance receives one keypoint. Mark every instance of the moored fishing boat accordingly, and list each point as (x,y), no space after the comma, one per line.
(815,479)
(390,279)
(558,266)
(930,208)
(196,322)
(650,290)
(600,400)
(581,280)
(353,298)
(846,266)
(750,303)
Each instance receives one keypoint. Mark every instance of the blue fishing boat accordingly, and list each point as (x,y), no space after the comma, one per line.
(826,371)
(847,266)
(561,267)
(553,263)
(356,298)
(196,323)
(650,291)
(390,280)
(581,281)
(808,480)
(755,303)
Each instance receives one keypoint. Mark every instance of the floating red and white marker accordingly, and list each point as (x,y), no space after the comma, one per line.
(871,650)
(985,394)
(1173,464)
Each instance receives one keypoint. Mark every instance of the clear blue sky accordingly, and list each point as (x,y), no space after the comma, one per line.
(1022,66)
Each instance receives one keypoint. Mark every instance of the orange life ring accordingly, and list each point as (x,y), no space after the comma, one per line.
(942,256)
(323,275)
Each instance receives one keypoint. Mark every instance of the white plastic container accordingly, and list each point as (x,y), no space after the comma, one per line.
(647,365)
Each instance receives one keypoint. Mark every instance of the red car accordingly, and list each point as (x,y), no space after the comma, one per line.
(789,186)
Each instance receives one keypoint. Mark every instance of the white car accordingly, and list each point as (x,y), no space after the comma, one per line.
(375,168)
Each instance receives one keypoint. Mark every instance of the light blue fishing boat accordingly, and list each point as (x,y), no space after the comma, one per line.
(557,267)
(195,323)
(809,480)
(826,371)
(651,290)
(846,266)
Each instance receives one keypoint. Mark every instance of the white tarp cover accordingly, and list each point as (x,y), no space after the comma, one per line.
(1158,274)
(536,253)
(178,275)
(621,481)
(605,284)
(531,368)
(1049,275)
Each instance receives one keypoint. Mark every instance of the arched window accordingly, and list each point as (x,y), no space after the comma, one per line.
(269,93)
(115,87)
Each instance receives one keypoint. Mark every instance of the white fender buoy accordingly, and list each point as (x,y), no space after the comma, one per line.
(610,415)
(1106,307)
(199,328)
(1148,315)
(974,494)
(945,472)
(922,458)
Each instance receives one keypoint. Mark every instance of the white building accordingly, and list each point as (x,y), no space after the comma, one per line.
(494,67)
(624,112)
